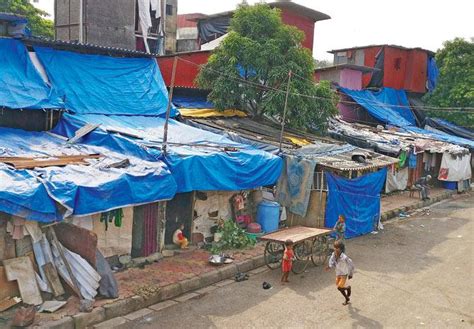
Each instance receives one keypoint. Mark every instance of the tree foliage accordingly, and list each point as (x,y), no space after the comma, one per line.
(250,70)
(456,82)
(37,21)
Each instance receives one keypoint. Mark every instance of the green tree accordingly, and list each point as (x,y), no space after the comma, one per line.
(250,70)
(456,82)
(37,21)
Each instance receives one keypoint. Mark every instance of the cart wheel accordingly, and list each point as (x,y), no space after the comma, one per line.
(273,254)
(302,252)
(320,251)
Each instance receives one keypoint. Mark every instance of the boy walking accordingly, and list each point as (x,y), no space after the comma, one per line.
(344,270)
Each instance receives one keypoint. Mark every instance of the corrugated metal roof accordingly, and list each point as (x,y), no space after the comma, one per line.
(85,47)
(383,45)
(299,9)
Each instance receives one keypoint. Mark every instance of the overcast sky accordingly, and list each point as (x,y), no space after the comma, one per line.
(410,23)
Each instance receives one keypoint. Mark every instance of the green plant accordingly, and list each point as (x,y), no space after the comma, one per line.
(250,70)
(233,237)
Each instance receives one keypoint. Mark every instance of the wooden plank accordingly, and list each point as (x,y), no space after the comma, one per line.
(7,244)
(53,279)
(21,270)
(63,160)
(7,303)
(7,288)
(79,240)
(296,234)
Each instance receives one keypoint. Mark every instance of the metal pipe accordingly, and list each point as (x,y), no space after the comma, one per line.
(168,109)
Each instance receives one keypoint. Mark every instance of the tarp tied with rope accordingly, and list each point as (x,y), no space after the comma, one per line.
(358,200)
(198,159)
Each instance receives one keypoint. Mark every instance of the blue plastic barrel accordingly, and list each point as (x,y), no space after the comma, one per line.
(450,185)
(268,216)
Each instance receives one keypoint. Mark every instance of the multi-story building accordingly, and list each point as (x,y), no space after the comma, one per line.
(116,23)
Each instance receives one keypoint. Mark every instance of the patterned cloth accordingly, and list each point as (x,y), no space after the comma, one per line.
(294,186)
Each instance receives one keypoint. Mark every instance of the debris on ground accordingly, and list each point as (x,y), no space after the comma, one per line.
(239,277)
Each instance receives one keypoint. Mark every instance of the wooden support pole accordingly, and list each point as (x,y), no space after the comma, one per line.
(284,110)
(168,109)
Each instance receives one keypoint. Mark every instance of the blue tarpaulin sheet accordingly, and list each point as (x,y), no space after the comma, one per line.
(22,195)
(387,105)
(444,137)
(433,74)
(450,128)
(391,112)
(81,189)
(192,102)
(21,86)
(106,85)
(197,159)
(357,199)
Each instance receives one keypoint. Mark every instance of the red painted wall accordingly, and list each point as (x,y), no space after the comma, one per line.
(303,23)
(369,60)
(417,63)
(185,72)
(403,68)
(395,68)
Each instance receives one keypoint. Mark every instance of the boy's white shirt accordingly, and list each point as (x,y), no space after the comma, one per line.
(343,265)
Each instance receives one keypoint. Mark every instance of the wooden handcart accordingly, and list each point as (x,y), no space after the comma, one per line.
(310,245)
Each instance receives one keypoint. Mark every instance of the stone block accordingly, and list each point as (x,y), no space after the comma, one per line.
(186,297)
(258,261)
(112,323)
(210,278)
(163,305)
(167,253)
(153,299)
(228,271)
(171,291)
(138,314)
(190,284)
(64,323)
(83,320)
(123,307)
(245,266)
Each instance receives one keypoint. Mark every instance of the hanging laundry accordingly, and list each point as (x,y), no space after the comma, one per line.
(115,216)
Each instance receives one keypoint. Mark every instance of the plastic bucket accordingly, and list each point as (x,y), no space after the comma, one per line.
(268,216)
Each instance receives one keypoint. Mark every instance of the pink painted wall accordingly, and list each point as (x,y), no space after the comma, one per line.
(351,79)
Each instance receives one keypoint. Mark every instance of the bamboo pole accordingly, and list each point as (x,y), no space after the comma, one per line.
(284,110)
(168,109)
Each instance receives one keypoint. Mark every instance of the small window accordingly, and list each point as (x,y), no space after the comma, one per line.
(169,10)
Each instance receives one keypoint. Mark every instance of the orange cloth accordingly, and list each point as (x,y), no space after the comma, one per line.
(287,262)
(341,281)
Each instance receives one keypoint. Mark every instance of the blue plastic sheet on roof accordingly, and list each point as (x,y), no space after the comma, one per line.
(81,189)
(106,85)
(450,128)
(197,159)
(192,102)
(433,74)
(357,199)
(387,105)
(21,86)
(22,195)
(391,115)
(444,137)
